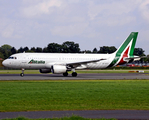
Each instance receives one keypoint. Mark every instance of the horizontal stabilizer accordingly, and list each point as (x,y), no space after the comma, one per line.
(135,58)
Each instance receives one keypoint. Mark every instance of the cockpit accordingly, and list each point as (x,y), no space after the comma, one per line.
(12,57)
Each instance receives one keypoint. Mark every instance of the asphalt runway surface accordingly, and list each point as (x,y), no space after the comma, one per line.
(118,114)
(85,76)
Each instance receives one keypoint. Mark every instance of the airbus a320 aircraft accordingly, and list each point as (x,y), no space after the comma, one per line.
(61,63)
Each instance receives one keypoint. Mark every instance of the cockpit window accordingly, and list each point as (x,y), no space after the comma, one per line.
(12,58)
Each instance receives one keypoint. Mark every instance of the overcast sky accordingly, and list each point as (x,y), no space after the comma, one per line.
(91,23)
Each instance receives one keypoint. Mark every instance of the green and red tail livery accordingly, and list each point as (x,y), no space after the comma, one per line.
(125,50)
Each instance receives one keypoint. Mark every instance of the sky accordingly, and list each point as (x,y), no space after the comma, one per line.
(90,23)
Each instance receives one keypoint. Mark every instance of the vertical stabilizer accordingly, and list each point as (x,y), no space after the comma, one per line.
(125,50)
(129,43)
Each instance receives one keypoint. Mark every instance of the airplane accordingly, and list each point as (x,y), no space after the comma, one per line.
(61,63)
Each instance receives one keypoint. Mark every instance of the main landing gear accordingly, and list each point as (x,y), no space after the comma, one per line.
(65,74)
(22,74)
(74,74)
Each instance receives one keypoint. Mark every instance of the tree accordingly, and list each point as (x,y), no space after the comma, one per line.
(95,50)
(20,50)
(86,51)
(33,49)
(45,50)
(54,48)
(70,47)
(1,55)
(6,50)
(13,50)
(147,59)
(25,49)
(38,49)
(106,49)
(112,49)
(139,52)
(6,47)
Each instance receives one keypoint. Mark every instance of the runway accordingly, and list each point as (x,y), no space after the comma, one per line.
(118,114)
(85,76)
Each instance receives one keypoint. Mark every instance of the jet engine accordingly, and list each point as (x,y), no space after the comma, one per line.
(44,70)
(58,69)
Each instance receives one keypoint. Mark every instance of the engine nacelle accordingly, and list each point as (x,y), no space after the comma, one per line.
(44,70)
(58,69)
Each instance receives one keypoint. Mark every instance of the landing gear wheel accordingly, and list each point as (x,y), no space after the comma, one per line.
(65,74)
(21,74)
(74,74)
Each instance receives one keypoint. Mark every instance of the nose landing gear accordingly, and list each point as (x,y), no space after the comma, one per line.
(22,74)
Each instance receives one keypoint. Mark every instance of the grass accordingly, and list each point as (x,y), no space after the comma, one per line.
(63,118)
(74,95)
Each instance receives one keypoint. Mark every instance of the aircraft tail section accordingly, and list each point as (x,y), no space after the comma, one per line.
(125,50)
(128,45)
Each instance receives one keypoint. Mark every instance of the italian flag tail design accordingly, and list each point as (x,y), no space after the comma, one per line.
(125,50)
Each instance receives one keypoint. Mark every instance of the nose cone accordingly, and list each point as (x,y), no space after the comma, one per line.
(5,63)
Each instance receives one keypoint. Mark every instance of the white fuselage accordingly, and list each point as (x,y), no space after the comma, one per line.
(46,60)
(58,63)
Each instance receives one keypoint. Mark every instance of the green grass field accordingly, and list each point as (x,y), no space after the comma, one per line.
(74,95)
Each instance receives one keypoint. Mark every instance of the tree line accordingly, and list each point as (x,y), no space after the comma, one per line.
(66,47)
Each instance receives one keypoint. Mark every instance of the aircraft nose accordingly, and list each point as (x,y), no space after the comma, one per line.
(5,63)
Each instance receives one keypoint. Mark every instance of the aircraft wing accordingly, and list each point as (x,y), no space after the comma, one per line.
(76,64)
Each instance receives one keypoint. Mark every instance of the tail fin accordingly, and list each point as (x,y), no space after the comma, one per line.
(128,45)
(125,50)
